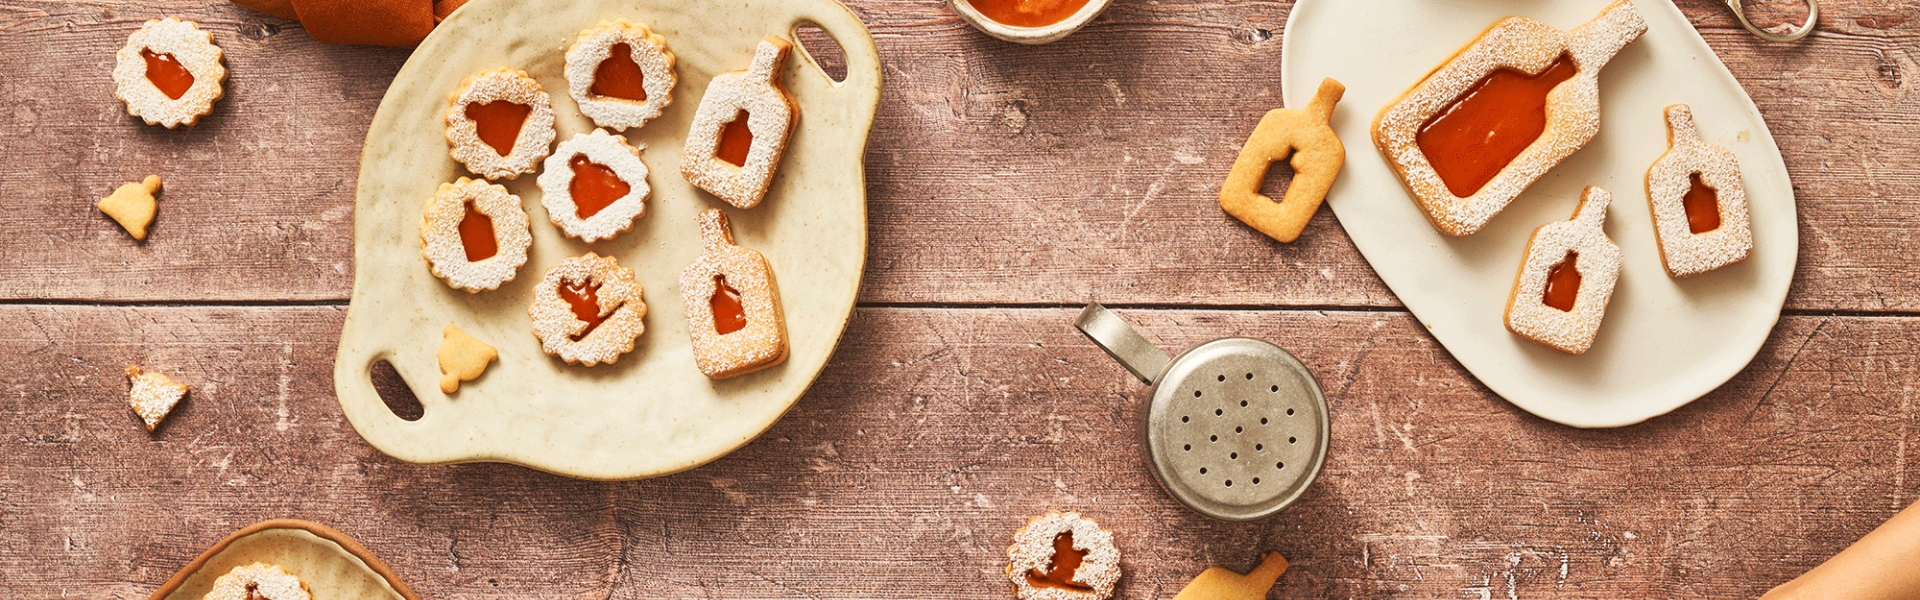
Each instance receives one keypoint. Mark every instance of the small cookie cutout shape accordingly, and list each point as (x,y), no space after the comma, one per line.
(132,206)
(153,395)
(1220,583)
(169,73)
(741,130)
(594,186)
(474,235)
(1317,155)
(620,74)
(1063,557)
(1566,278)
(500,124)
(733,306)
(1698,202)
(1511,104)
(259,581)
(462,358)
(587,310)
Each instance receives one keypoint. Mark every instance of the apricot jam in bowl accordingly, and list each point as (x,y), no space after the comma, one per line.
(1028,21)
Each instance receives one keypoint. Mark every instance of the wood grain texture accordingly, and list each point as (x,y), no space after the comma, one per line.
(933,435)
(997,173)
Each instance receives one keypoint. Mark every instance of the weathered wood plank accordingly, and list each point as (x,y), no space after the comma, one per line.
(930,438)
(997,173)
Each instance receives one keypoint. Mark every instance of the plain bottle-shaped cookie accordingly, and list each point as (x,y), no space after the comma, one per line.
(1304,135)
(733,305)
(741,130)
(1566,278)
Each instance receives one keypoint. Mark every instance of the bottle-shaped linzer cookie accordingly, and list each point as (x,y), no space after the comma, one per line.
(733,306)
(741,129)
(1566,278)
(1698,203)
(1514,102)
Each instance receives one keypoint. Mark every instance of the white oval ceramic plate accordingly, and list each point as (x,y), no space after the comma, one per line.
(652,412)
(1665,341)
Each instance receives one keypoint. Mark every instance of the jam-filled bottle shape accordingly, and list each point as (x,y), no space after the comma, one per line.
(1697,200)
(1477,131)
(740,132)
(1566,278)
(733,305)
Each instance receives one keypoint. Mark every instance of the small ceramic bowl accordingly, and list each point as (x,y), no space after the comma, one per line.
(1028,35)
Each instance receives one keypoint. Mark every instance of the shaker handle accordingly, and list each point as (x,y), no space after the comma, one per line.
(1121,342)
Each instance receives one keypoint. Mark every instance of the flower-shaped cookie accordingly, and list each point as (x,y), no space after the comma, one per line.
(620,74)
(587,310)
(1063,557)
(741,129)
(169,73)
(733,306)
(474,234)
(594,186)
(1566,278)
(500,124)
(1698,203)
(259,581)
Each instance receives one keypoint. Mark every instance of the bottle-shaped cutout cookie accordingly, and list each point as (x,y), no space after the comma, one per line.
(1306,136)
(1518,99)
(733,306)
(742,127)
(1566,278)
(1698,204)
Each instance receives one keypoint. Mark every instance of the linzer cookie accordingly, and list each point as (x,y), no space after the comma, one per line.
(1698,203)
(741,129)
(733,306)
(153,395)
(1566,278)
(169,73)
(474,234)
(500,124)
(587,310)
(594,186)
(1063,557)
(1317,156)
(1494,117)
(620,74)
(259,581)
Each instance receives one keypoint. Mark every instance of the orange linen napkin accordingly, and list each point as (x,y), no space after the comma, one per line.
(398,23)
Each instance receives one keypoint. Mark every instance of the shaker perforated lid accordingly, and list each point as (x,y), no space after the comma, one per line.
(1237,428)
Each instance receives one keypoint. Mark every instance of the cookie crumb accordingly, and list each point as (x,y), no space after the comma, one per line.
(153,395)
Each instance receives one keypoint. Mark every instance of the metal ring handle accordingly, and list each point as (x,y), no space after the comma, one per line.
(1813,17)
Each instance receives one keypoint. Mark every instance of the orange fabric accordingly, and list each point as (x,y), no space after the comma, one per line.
(398,23)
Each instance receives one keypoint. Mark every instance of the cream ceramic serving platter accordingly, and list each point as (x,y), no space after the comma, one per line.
(333,566)
(1665,341)
(652,413)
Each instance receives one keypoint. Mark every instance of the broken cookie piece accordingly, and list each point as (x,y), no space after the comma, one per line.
(153,395)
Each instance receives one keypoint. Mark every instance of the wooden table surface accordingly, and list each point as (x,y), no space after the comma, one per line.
(1007,185)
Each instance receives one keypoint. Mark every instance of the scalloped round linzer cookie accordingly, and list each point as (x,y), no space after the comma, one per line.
(474,234)
(621,74)
(1063,557)
(500,124)
(169,73)
(594,186)
(588,310)
(259,580)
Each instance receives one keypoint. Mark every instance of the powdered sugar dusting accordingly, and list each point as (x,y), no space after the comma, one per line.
(604,149)
(1032,550)
(649,52)
(771,115)
(1598,262)
(193,49)
(1521,44)
(763,341)
(536,133)
(268,581)
(153,395)
(446,252)
(1668,181)
(620,303)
